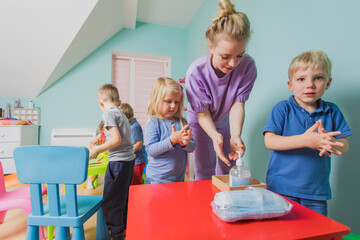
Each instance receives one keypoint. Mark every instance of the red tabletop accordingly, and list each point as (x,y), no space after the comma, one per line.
(182,211)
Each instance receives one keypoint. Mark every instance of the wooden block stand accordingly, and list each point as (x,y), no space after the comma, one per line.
(222,183)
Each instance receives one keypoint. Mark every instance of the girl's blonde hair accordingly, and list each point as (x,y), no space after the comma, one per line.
(228,21)
(101,127)
(313,58)
(159,88)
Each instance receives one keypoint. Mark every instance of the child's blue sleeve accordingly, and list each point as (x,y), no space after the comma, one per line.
(154,145)
(276,120)
(339,122)
(136,134)
(190,147)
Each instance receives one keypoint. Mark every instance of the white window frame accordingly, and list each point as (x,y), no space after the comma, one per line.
(140,56)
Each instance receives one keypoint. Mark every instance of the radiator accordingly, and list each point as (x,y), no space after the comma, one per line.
(72,137)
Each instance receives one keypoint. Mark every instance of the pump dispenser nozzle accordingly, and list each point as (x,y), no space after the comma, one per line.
(239,162)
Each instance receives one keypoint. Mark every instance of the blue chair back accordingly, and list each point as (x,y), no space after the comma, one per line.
(52,165)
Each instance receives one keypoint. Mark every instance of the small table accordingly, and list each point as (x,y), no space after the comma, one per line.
(97,166)
(182,211)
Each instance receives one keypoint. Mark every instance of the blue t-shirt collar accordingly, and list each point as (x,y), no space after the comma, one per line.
(322,105)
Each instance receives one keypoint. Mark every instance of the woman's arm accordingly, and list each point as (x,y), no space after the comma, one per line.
(236,120)
(208,125)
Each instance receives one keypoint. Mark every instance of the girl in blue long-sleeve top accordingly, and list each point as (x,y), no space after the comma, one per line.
(168,137)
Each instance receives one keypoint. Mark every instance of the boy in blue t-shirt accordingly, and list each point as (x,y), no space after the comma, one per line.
(137,140)
(303,132)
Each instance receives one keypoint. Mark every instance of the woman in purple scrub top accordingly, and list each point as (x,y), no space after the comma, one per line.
(217,86)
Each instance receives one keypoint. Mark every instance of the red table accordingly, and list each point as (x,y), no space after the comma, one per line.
(182,211)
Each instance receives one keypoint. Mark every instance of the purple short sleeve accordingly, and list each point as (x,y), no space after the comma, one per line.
(247,82)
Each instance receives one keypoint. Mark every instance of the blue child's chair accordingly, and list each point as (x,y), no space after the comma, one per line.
(54,165)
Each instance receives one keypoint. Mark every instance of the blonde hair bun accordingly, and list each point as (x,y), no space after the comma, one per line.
(227,8)
(234,24)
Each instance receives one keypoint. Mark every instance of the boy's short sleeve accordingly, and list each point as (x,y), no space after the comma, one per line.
(109,119)
(136,133)
(339,122)
(276,119)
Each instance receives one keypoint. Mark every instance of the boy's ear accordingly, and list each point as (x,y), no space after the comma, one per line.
(119,103)
(328,84)
(290,86)
(101,103)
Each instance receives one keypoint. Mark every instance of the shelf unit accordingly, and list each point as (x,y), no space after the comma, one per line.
(30,114)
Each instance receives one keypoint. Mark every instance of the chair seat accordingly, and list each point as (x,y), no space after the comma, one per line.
(87,206)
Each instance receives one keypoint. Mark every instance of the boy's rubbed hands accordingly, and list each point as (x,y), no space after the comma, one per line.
(317,138)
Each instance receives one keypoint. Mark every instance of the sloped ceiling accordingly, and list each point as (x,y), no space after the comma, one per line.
(42,40)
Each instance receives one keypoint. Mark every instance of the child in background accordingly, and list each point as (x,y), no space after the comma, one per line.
(303,132)
(121,165)
(167,137)
(98,140)
(137,140)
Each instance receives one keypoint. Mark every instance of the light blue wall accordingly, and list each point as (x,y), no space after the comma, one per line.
(72,103)
(283,29)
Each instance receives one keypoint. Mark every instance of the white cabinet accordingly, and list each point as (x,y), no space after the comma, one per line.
(13,136)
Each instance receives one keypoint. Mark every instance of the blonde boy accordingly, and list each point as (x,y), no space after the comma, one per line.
(121,164)
(303,132)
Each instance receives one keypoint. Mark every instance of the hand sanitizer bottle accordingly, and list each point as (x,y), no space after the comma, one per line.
(239,174)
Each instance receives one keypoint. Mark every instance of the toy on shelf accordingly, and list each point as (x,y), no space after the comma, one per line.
(17,103)
(7,112)
(14,121)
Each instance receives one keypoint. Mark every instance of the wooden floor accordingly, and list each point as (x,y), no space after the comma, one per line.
(14,226)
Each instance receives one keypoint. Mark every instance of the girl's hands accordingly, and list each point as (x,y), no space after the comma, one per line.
(182,136)
(186,135)
(236,144)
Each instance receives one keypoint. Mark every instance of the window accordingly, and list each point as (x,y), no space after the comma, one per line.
(133,74)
